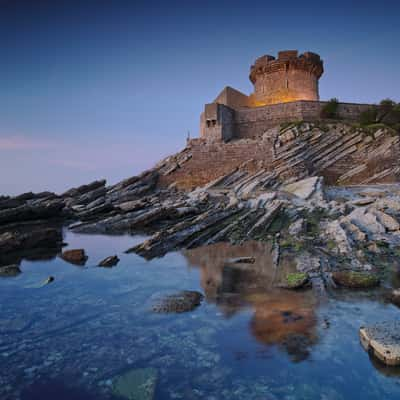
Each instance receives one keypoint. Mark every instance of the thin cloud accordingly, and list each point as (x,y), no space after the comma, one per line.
(23,143)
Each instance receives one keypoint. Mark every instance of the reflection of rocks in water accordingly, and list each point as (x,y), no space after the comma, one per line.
(221,278)
(287,319)
(281,317)
(386,370)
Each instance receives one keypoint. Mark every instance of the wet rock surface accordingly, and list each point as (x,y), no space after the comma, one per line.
(355,279)
(184,301)
(9,270)
(110,261)
(383,341)
(295,280)
(74,256)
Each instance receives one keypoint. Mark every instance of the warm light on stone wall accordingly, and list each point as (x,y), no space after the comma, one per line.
(290,77)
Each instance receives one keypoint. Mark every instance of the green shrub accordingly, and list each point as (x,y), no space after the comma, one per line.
(386,105)
(368,117)
(330,109)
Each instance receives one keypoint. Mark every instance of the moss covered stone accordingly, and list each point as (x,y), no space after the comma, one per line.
(355,279)
(295,280)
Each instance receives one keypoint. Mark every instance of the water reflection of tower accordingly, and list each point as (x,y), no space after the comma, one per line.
(281,317)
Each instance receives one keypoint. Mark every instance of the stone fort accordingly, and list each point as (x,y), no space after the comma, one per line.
(286,89)
(259,134)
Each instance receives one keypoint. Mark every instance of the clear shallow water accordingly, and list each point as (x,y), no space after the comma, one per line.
(70,339)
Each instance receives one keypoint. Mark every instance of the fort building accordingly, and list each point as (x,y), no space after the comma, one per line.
(286,89)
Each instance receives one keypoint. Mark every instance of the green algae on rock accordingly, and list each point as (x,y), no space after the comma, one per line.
(136,384)
(295,280)
(355,279)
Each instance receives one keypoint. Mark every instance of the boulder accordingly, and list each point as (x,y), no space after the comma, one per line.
(383,341)
(355,279)
(74,256)
(186,300)
(9,270)
(109,261)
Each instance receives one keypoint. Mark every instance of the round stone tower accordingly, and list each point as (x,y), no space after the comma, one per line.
(290,77)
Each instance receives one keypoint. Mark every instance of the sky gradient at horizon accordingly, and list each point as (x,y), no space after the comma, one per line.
(103,89)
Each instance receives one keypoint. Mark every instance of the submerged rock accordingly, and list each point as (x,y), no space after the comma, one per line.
(355,279)
(110,261)
(74,256)
(383,341)
(186,300)
(48,280)
(9,270)
(136,384)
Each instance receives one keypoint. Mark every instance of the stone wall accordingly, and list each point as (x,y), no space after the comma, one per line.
(253,122)
(210,160)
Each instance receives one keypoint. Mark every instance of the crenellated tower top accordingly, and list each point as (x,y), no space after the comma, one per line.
(290,77)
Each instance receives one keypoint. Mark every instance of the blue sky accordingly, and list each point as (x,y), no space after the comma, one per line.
(99,88)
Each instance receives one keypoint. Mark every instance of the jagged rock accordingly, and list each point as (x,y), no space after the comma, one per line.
(186,300)
(363,201)
(42,209)
(355,279)
(136,384)
(109,261)
(9,270)
(74,256)
(30,239)
(366,221)
(386,220)
(297,227)
(133,205)
(339,235)
(383,341)
(388,203)
(304,188)
(84,189)
(162,242)
(295,280)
